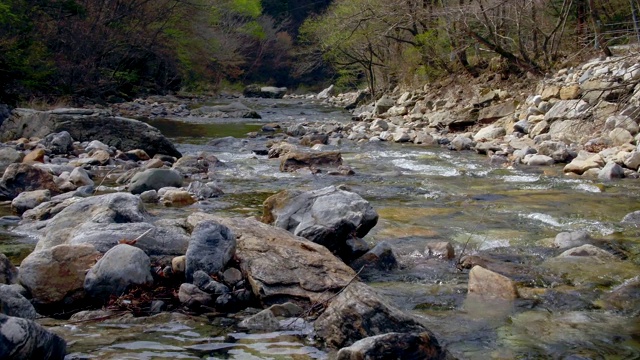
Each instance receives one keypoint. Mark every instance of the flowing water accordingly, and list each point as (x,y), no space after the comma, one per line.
(423,194)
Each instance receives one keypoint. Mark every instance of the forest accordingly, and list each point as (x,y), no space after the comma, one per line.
(108,50)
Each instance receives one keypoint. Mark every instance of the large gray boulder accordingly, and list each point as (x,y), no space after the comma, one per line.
(282,267)
(272,92)
(12,303)
(154,179)
(328,216)
(24,177)
(359,312)
(211,247)
(28,200)
(121,267)
(86,125)
(24,339)
(91,213)
(233,110)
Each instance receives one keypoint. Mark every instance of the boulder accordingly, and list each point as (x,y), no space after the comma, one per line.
(394,346)
(632,218)
(90,214)
(12,303)
(490,285)
(56,275)
(440,249)
(579,166)
(86,125)
(588,251)
(294,160)
(24,339)
(80,177)
(8,156)
(611,171)
(282,267)
(24,177)
(190,164)
(28,200)
(568,110)
(359,312)
(58,143)
(177,197)
(383,105)
(211,247)
(121,267)
(620,136)
(461,142)
(328,216)
(326,93)
(8,272)
(257,91)
(495,112)
(205,283)
(233,110)
(539,160)
(154,179)
(203,191)
(489,133)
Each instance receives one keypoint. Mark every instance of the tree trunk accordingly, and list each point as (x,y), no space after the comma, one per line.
(595,19)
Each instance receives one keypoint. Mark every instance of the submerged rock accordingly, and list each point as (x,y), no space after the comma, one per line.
(488,284)
(359,312)
(394,346)
(24,339)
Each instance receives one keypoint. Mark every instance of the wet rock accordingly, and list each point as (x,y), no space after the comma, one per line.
(8,272)
(190,295)
(381,257)
(571,239)
(205,283)
(58,143)
(204,191)
(440,249)
(8,156)
(119,268)
(624,298)
(328,216)
(25,339)
(294,160)
(12,303)
(154,179)
(314,139)
(57,274)
(87,125)
(29,199)
(24,177)
(632,218)
(282,267)
(588,250)
(359,312)
(262,321)
(211,247)
(190,164)
(491,285)
(394,346)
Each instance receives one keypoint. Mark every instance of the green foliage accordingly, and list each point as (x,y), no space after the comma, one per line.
(250,8)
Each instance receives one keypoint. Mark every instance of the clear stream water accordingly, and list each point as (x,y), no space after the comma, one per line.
(422,194)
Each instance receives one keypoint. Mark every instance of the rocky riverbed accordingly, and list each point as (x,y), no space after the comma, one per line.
(452,222)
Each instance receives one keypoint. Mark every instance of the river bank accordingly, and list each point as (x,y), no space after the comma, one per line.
(568,260)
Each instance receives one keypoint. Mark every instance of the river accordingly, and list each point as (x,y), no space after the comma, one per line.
(422,194)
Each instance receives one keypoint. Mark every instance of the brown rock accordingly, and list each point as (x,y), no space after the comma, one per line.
(488,284)
(281,266)
(570,92)
(440,249)
(24,177)
(36,155)
(177,198)
(295,160)
(550,92)
(56,274)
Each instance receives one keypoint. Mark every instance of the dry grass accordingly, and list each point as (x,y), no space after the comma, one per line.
(44,104)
